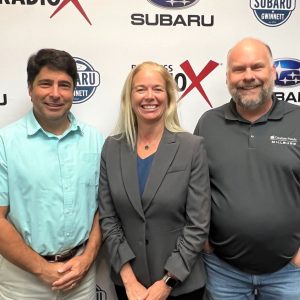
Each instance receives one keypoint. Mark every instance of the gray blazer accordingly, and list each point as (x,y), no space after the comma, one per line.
(164,230)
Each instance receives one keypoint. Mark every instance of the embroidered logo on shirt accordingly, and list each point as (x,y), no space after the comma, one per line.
(283,140)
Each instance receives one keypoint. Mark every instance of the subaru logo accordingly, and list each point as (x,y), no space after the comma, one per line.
(287,72)
(173,4)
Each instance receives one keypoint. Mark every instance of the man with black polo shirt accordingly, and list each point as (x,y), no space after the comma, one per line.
(253,148)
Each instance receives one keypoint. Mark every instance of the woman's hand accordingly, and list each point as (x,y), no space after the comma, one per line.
(158,291)
(136,291)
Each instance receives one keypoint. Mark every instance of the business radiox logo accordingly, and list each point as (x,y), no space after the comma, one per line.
(287,76)
(60,5)
(188,73)
(164,19)
(88,81)
(272,12)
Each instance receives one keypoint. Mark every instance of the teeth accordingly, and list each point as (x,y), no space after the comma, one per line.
(149,106)
(249,87)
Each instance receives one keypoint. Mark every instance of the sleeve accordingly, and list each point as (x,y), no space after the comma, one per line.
(113,234)
(198,128)
(4,200)
(195,232)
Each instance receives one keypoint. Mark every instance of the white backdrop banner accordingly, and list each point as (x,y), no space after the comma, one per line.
(107,38)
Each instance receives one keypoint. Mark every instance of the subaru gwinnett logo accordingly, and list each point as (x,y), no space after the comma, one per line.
(272,12)
(176,4)
(287,72)
(283,140)
(87,83)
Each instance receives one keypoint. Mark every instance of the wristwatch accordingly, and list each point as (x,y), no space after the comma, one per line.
(170,281)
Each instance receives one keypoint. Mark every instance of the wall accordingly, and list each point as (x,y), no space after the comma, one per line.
(108,37)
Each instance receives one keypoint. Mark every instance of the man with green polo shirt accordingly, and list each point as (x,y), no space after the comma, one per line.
(253,149)
(49,171)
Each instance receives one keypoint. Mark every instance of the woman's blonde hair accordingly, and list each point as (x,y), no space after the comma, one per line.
(127,121)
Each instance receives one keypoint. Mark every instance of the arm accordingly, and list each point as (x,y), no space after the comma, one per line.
(15,250)
(77,267)
(195,232)
(134,289)
(113,234)
(191,241)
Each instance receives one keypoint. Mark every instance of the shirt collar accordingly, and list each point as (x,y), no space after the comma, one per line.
(33,126)
(276,112)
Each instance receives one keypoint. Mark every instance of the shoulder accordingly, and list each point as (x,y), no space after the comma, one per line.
(189,143)
(14,129)
(90,131)
(215,112)
(186,137)
(289,107)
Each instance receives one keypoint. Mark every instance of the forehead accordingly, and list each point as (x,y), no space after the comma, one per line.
(47,73)
(248,53)
(148,76)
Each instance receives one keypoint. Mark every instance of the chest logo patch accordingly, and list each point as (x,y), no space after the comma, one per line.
(283,140)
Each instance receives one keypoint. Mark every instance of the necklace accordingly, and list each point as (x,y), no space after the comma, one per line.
(147,146)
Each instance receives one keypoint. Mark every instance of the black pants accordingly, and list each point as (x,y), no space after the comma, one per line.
(195,295)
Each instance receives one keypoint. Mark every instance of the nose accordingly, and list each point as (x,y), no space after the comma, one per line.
(54,91)
(149,94)
(249,75)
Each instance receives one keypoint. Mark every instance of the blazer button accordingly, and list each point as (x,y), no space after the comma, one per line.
(147,242)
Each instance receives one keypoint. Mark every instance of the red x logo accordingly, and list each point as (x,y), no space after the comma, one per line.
(196,80)
(77,5)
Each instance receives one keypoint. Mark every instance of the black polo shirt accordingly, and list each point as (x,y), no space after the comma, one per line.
(255,181)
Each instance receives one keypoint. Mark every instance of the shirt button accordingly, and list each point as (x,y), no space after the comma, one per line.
(252,136)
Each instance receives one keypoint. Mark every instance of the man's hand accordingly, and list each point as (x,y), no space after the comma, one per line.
(158,291)
(71,273)
(296,259)
(50,272)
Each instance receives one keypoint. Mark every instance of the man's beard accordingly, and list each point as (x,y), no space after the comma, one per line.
(253,102)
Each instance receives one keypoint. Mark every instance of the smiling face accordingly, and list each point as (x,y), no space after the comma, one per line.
(149,97)
(250,74)
(52,94)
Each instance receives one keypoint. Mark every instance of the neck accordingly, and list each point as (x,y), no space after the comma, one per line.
(147,133)
(56,127)
(148,139)
(252,115)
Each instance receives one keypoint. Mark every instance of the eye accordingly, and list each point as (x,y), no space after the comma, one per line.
(140,89)
(44,84)
(238,69)
(65,86)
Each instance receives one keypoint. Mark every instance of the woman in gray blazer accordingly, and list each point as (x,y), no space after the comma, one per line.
(154,194)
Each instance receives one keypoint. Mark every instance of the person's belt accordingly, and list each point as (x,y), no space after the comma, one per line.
(63,256)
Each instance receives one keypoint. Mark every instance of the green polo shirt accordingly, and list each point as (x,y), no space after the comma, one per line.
(50,182)
(255,182)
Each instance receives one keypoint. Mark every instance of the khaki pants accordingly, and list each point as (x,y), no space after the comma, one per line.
(17,284)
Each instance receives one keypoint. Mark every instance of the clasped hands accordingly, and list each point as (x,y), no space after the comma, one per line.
(157,291)
(65,276)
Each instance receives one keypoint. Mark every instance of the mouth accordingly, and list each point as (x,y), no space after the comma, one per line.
(149,106)
(54,106)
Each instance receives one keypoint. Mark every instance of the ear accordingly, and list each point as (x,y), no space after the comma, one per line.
(30,90)
(274,72)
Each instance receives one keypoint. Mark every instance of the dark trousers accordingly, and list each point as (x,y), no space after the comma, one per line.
(195,295)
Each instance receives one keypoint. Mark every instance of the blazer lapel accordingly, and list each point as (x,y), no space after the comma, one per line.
(130,177)
(163,158)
